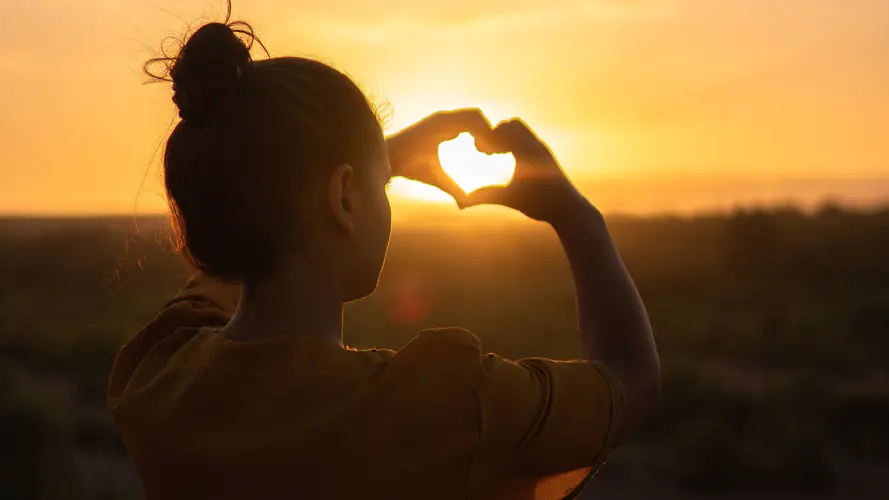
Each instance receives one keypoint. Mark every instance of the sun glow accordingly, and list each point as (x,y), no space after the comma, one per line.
(403,188)
(470,168)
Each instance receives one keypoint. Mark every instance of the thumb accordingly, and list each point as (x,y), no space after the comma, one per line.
(447,184)
(491,195)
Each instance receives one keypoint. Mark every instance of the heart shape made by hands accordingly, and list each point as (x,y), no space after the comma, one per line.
(472,169)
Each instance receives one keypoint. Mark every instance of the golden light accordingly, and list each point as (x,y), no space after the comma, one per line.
(417,191)
(472,169)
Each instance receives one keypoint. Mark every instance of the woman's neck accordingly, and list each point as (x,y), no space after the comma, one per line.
(299,297)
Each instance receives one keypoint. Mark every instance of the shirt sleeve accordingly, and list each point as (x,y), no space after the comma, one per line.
(546,426)
(202,302)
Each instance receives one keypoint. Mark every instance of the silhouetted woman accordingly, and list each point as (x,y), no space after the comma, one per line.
(241,388)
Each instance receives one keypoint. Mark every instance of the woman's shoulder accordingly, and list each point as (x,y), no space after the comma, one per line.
(448,349)
(450,335)
(201,305)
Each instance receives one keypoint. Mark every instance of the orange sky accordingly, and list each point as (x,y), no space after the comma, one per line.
(651,105)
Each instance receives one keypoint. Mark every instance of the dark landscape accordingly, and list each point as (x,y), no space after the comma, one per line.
(773,328)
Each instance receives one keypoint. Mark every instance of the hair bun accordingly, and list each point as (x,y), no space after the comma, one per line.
(207,71)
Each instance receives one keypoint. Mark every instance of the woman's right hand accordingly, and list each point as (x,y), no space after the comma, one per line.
(614,326)
(539,188)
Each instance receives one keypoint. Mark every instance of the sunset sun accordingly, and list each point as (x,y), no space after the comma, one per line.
(470,168)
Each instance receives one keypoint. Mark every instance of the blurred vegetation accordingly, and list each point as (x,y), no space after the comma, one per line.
(773,327)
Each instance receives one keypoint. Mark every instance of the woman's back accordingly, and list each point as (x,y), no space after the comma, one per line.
(302,417)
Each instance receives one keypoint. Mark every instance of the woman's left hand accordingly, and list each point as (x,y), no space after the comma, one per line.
(413,152)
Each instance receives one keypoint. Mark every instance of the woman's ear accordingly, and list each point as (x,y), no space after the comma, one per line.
(341,194)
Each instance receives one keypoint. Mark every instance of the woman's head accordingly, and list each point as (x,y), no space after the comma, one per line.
(273,159)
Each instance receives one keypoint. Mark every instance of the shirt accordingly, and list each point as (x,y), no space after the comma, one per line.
(204,416)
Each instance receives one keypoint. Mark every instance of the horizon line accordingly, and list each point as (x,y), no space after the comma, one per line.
(444,210)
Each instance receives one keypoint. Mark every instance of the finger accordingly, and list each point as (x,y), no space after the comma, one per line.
(488,144)
(492,195)
(517,128)
(516,136)
(506,137)
(428,170)
(417,167)
(450,124)
(447,184)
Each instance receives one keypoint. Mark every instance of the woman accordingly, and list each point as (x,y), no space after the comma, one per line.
(242,388)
